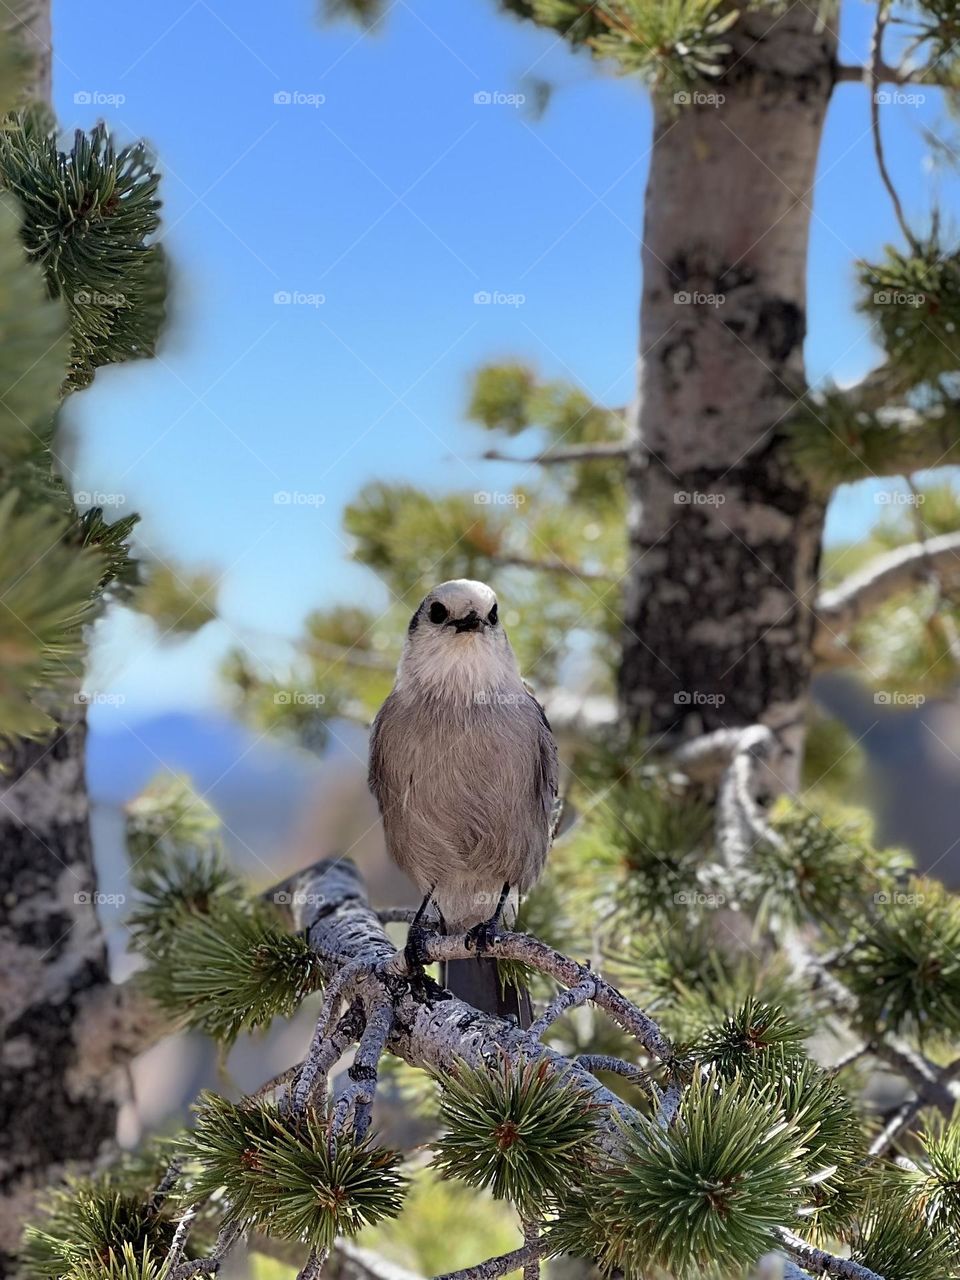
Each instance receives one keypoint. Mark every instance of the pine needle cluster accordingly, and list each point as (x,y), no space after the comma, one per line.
(89,217)
(905,969)
(289,1175)
(230,969)
(90,1224)
(519,1129)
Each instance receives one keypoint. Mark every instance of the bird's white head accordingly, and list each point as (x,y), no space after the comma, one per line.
(456,646)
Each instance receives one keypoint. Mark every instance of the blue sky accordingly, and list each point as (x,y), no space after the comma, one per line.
(397,198)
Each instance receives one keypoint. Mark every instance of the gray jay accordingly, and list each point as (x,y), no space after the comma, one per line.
(464,768)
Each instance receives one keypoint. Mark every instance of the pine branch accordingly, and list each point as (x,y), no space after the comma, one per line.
(550,565)
(600,451)
(822,1263)
(437,1032)
(843,607)
(934,1085)
(494,1267)
(876,59)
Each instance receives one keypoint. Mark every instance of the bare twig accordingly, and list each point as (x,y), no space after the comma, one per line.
(900,1121)
(552,564)
(531,951)
(531,1237)
(876,65)
(494,1267)
(820,1262)
(669,1106)
(179,1241)
(313,1265)
(602,450)
(230,1233)
(932,1084)
(595,1062)
(339,986)
(572,998)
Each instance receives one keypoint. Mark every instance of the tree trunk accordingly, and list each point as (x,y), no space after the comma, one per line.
(724,532)
(29,20)
(59,1090)
(60,1018)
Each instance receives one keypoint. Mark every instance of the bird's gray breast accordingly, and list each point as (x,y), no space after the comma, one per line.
(463,790)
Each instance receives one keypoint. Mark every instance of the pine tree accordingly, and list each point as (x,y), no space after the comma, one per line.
(698,1101)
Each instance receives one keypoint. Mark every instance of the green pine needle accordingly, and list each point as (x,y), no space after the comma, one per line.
(90,214)
(743,1042)
(666,40)
(702,1195)
(81,1223)
(519,1129)
(822,871)
(47,599)
(914,301)
(176,889)
(288,1176)
(896,1241)
(123,1264)
(229,970)
(938,1182)
(905,971)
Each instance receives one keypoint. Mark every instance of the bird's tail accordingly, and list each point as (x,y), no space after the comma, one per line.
(477,982)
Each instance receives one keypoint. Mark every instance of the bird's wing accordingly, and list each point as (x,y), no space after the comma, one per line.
(549,769)
(376,772)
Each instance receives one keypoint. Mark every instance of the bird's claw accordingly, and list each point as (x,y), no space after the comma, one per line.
(415,951)
(482,936)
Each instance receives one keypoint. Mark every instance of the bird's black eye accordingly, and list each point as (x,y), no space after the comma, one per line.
(492,616)
(438,612)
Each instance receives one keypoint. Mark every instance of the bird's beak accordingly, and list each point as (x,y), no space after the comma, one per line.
(470,623)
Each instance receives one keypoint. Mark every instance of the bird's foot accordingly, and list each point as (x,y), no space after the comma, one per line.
(415,951)
(483,935)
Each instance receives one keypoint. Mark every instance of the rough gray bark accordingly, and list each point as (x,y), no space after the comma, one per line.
(30,20)
(59,1017)
(724,532)
(66,1032)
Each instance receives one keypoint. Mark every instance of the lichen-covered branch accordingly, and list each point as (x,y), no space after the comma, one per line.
(843,607)
(431,1029)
